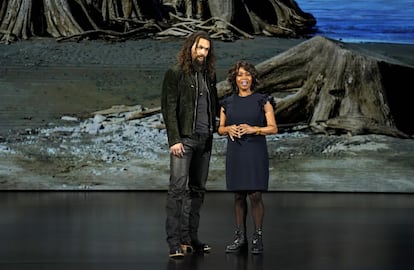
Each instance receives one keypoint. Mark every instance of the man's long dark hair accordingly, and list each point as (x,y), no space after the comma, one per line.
(184,55)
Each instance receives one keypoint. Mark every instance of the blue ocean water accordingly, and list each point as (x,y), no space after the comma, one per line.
(390,21)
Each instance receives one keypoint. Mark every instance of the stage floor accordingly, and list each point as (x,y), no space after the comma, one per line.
(125,230)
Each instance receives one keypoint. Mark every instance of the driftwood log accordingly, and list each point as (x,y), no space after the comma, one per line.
(129,112)
(332,88)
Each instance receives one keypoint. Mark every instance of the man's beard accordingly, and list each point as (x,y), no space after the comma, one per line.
(199,65)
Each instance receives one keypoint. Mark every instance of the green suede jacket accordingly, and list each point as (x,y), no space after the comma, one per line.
(179,103)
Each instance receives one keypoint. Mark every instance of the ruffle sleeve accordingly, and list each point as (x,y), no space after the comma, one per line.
(224,102)
(265,98)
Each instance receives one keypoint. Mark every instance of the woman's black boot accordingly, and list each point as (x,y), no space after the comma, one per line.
(257,242)
(239,243)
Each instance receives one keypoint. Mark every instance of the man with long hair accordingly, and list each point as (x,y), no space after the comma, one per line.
(189,106)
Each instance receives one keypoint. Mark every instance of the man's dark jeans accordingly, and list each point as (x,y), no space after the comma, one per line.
(188,177)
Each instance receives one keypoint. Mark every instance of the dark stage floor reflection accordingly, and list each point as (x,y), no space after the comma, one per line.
(125,230)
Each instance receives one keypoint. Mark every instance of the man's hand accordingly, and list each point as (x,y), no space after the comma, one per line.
(177,150)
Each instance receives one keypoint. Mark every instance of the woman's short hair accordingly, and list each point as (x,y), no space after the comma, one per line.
(232,74)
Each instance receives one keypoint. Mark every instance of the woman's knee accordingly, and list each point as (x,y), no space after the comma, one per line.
(255,197)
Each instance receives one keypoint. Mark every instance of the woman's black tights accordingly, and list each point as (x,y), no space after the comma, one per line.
(257,207)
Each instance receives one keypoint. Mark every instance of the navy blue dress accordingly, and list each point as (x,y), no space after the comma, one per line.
(247,160)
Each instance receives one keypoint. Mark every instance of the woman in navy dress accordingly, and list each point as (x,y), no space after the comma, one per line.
(245,118)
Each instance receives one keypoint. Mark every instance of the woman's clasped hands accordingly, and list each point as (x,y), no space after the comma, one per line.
(236,131)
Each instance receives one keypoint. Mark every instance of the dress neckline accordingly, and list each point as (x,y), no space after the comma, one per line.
(246,95)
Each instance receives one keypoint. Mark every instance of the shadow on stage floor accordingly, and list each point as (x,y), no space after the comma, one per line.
(125,230)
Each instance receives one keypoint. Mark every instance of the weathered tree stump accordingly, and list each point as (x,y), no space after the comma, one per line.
(335,89)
